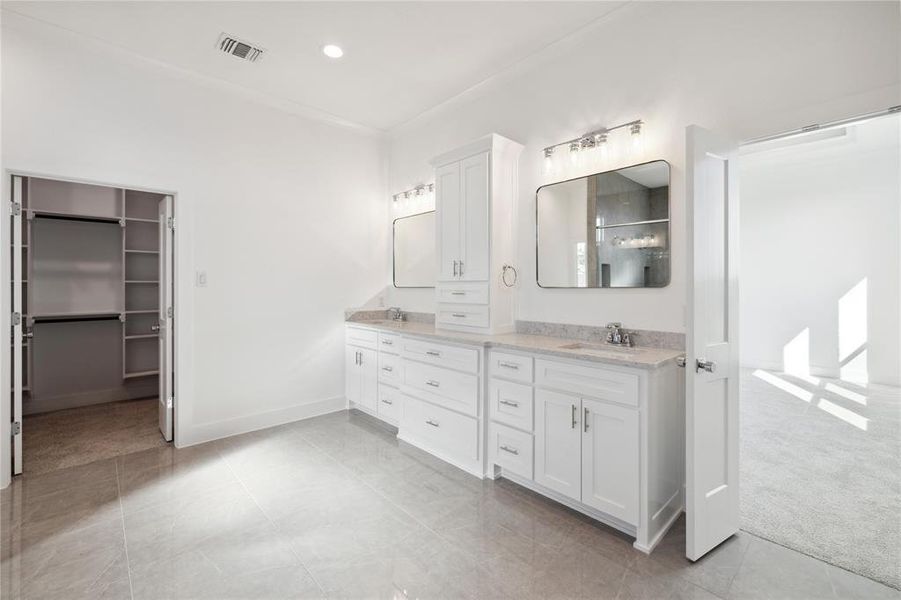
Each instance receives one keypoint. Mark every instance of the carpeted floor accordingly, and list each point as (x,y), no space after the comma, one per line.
(78,436)
(821,470)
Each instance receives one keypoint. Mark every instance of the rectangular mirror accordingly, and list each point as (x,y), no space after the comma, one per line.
(414,251)
(607,230)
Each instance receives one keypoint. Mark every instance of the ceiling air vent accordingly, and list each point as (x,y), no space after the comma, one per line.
(239,48)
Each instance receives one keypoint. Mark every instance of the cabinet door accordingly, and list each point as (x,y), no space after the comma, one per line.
(352,373)
(474,243)
(449,217)
(558,441)
(610,459)
(369,379)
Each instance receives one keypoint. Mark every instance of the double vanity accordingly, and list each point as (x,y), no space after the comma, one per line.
(597,427)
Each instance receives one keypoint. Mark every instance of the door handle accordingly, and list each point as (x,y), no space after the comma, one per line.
(574,417)
(585,421)
(461,268)
(455,268)
(702,364)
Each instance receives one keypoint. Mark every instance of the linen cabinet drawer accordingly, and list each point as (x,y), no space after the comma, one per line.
(391,368)
(458,391)
(463,293)
(510,366)
(452,357)
(511,450)
(511,403)
(390,404)
(597,382)
(447,432)
(389,342)
(358,336)
(464,315)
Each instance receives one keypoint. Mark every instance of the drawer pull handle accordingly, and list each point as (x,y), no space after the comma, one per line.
(432,383)
(432,423)
(387,369)
(388,342)
(512,451)
(510,403)
(507,365)
(432,353)
(386,401)
(458,293)
(458,315)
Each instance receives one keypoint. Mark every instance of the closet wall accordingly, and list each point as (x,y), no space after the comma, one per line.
(90,294)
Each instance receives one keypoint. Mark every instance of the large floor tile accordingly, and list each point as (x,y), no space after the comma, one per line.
(771,572)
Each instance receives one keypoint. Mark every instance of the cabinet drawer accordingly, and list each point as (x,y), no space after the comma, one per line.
(511,403)
(597,382)
(511,450)
(510,366)
(462,315)
(445,431)
(391,368)
(458,391)
(463,293)
(451,357)
(367,338)
(389,407)
(389,342)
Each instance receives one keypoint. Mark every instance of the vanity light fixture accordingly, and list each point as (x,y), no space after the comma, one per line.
(594,139)
(332,51)
(419,190)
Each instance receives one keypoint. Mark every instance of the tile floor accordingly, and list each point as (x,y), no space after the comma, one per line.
(335,507)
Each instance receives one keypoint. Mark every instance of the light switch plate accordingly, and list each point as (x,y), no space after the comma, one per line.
(200,279)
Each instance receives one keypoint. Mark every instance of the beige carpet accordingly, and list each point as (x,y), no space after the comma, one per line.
(78,436)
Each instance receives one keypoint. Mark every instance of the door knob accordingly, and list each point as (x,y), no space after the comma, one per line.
(702,364)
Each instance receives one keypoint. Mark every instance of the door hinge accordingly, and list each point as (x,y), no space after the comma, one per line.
(16,428)
(169,401)
(170,222)
(170,313)
(17,318)
(15,209)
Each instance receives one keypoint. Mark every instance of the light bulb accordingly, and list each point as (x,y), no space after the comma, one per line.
(574,149)
(548,165)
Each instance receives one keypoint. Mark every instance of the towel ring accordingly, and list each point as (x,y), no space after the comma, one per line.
(504,270)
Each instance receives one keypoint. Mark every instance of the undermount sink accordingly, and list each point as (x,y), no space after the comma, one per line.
(608,348)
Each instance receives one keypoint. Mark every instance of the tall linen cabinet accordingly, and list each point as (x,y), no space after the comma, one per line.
(475,193)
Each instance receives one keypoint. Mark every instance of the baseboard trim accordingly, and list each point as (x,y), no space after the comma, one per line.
(199,434)
(474,470)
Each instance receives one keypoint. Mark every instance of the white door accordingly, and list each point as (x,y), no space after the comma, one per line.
(449,220)
(558,443)
(474,244)
(18,325)
(166,320)
(711,408)
(352,374)
(610,459)
(369,379)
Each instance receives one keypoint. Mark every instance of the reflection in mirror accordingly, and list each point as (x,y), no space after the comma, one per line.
(606,230)
(414,251)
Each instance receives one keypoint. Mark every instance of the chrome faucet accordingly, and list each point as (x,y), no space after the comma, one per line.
(617,336)
(396,314)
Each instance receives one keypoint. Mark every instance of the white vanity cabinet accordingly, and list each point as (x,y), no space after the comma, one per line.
(605,440)
(361,376)
(475,191)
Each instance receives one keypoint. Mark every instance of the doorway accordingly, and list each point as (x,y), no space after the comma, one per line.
(93,322)
(820,468)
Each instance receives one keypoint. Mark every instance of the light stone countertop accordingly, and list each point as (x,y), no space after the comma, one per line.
(636,357)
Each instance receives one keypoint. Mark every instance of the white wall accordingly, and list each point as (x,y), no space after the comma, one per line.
(746,68)
(286,216)
(817,219)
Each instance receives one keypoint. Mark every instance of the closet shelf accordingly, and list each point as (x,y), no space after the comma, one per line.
(140,220)
(73,216)
(142,312)
(147,281)
(140,374)
(129,251)
(141,336)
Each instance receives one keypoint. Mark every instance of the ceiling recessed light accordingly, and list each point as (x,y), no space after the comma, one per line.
(332,51)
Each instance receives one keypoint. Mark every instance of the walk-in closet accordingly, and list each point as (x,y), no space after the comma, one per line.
(92,322)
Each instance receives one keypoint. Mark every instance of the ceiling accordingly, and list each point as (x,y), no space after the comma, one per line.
(401,58)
